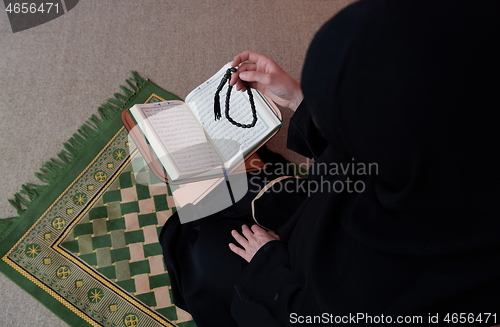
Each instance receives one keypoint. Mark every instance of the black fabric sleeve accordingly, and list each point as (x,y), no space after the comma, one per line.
(303,136)
(267,290)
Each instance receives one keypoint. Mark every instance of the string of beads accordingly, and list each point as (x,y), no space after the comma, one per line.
(217,111)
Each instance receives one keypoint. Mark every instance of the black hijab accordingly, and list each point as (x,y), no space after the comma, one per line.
(412,87)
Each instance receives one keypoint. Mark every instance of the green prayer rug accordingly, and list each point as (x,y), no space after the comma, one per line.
(85,243)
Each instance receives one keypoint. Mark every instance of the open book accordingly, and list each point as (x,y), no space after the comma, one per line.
(188,141)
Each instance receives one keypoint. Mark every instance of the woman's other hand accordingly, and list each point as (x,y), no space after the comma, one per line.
(251,241)
(264,74)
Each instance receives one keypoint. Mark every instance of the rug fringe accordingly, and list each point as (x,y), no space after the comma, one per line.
(54,169)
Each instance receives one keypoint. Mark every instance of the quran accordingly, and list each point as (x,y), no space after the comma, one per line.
(191,145)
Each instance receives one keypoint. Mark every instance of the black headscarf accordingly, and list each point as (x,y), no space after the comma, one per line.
(412,87)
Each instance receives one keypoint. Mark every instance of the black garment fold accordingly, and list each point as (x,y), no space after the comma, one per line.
(411,87)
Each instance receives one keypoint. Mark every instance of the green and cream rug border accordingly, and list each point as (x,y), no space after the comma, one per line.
(30,245)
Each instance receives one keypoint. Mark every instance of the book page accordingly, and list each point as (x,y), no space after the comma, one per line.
(201,101)
(181,136)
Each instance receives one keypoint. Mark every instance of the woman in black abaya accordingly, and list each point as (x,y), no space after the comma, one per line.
(410,86)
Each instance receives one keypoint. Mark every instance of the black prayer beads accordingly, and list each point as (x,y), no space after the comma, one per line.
(217,111)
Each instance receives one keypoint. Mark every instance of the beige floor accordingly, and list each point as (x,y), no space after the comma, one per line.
(53,77)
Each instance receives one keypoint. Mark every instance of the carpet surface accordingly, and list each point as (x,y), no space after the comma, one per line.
(85,243)
(55,75)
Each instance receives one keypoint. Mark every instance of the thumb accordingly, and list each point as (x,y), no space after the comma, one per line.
(255,76)
(274,235)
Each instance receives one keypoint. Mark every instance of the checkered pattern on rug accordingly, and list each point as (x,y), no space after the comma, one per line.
(118,237)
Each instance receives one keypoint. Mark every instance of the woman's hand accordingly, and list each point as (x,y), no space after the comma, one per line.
(264,74)
(252,240)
